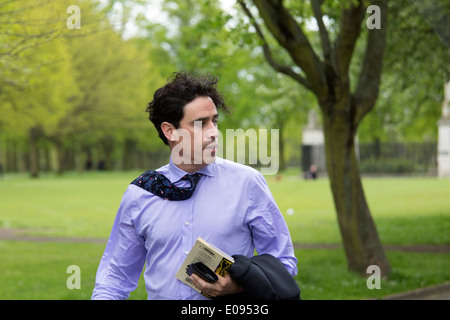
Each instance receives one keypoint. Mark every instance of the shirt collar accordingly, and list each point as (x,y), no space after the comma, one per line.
(176,173)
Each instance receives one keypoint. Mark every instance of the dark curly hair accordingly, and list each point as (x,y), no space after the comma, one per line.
(181,88)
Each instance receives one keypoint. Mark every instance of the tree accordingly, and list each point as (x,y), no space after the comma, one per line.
(200,39)
(68,90)
(326,73)
(414,70)
(36,72)
(283,105)
(113,77)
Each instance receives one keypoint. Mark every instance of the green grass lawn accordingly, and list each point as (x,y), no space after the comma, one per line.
(406,211)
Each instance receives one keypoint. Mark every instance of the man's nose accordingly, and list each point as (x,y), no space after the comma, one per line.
(212,132)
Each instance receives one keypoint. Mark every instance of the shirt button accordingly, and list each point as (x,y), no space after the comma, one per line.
(186,252)
(186,223)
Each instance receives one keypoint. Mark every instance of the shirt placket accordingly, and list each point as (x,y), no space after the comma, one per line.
(187,237)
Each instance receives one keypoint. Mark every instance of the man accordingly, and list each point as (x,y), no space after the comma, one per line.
(225,203)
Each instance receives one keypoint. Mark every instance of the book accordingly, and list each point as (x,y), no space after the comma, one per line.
(211,256)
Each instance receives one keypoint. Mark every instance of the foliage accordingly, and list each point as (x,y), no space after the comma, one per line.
(76,89)
(389,166)
(415,71)
(83,92)
(34,59)
(342,65)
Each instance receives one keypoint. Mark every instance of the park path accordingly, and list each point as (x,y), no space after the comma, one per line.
(21,235)
(436,292)
(410,248)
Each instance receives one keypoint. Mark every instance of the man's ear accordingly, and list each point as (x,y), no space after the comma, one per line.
(170,132)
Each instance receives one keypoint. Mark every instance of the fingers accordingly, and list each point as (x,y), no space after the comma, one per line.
(224,286)
(202,285)
(213,289)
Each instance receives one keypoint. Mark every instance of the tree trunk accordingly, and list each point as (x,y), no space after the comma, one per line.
(359,234)
(129,147)
(34,152)
(107,148)
(11,156)
(281,148)
(60,156)
(342,110)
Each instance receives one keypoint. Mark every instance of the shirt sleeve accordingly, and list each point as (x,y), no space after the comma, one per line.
(269,229)
(124,256)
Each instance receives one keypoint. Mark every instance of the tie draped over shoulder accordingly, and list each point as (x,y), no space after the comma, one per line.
(158,184)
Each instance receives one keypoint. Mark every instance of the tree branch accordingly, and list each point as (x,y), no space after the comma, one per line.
(350,27)
(268,53)
(290,36)
(324,38)
(366,92)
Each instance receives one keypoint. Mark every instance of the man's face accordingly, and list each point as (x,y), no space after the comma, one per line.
(198,134)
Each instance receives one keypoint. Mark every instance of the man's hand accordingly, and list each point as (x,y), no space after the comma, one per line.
(224,286)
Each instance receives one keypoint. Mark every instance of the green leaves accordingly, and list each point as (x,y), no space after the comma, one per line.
(78,87)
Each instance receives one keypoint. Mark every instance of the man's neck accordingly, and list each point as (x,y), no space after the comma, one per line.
(190,168)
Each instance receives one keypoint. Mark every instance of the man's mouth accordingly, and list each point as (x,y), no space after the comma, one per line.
(211,146)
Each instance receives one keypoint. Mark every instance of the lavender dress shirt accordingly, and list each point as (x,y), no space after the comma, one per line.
(232,208)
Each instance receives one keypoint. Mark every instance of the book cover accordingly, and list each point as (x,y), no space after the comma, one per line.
(211,256)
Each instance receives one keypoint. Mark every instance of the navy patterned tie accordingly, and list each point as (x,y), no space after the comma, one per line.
(158,184)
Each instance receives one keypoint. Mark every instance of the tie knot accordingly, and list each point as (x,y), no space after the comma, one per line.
(193,178)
